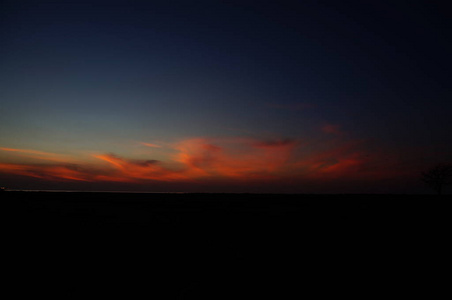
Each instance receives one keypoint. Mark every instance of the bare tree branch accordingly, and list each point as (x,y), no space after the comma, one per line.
(438,176)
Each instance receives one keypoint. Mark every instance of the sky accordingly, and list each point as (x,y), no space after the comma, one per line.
(224,96)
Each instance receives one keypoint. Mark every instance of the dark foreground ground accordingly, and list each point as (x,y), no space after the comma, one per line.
(224,246)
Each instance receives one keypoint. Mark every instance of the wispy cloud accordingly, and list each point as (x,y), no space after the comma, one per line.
(28,151)
(234,157)
(200,159)
(133,170)
(37,154)
(48,172)
(150,145)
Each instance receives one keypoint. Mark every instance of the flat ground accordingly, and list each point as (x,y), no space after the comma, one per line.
(199,246)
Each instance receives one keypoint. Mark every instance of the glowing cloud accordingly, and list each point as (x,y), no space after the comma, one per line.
(48,172)
(238,158)
(26,151)
(151,145)
(37,154)
(133,170)
(198,160)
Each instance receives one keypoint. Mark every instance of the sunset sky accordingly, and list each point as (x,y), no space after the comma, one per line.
(224,96)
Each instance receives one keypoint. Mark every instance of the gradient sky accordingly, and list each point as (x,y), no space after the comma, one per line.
(224,96)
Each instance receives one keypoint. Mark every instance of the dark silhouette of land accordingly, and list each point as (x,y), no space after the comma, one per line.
(221,246)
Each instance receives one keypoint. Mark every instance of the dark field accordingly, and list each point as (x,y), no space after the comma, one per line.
(224,246)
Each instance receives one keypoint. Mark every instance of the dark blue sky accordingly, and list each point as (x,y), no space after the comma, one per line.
(100,76)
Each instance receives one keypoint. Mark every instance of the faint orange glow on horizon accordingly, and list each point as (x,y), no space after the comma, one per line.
(204,159)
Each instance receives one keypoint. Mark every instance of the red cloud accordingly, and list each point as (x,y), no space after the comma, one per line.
(222,159)
(48,172)
(133,170)
(237,158)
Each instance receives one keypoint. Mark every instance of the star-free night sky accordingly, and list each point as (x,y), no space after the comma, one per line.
(224,96)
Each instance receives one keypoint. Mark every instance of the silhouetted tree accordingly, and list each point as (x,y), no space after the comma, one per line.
(438,176)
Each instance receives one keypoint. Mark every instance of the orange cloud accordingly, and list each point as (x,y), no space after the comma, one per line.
(112,159)
(151,145)
(65,172)
(349,161)
(240,160)
(17,169)
(37,154)
(49,172)
(132,170)
(344,159)
(26,151)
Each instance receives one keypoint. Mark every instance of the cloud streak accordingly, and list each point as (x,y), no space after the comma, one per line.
(27,151)
(47,172)
(201,160)
(48,156)
(150,145)
(137,170)
(236,158)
